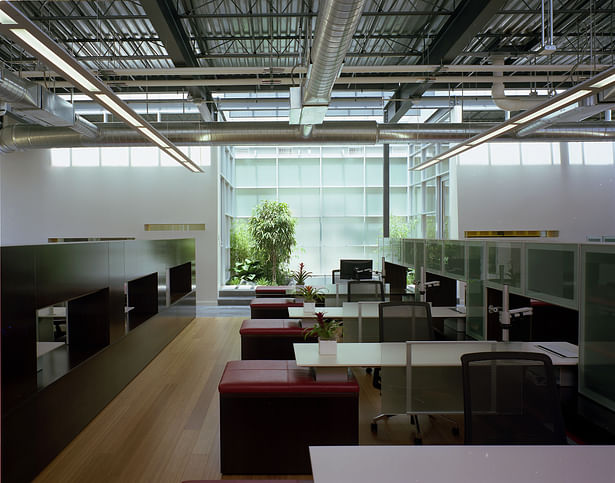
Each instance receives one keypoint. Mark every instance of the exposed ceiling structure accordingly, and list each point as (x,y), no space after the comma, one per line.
(184,64)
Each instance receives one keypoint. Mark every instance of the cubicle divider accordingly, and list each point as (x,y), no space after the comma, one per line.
(565,284)
(44,406)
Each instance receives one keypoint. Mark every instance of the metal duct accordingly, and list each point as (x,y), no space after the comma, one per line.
(336,23)
(511,103)
(31,102)
(27,136)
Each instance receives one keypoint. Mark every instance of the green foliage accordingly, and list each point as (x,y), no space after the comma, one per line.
(324,328)
(272,229)
(249,270)
(301,275)
(234,281)
(400,228)
(262,281)
(240,243)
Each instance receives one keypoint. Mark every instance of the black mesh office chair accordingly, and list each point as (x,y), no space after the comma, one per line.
(511,398)
(365,291)
(401,322)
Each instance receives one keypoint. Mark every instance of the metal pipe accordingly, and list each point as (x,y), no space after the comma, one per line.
(29,136)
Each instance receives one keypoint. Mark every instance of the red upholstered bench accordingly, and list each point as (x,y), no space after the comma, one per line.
(271,339)
(272,291)
(272,308)
(272,411)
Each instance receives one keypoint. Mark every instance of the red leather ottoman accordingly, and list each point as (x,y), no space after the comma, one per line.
(272,308)
(271,339)
(272,411)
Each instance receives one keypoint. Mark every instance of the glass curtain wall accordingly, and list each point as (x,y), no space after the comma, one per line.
(335,192)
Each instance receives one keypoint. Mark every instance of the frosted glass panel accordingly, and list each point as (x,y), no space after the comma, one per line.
(255,172)
(302,201)
(454,259)
(475,326)
(398,201)
(504,264)
(373,230)
(346,202)
(60,157)
(536,153)
(374,201)
(307,231)
(167,161)
(398,171)
(598,153)
(299,172)
(373,172)
(552,273)
(433,251)
(342,171)
(115,156)
(332,255)
(342,232)
(247,199)
(144,156)
(597,363)
(503,154)
(87,156)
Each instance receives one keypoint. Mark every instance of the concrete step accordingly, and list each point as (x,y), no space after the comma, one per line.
(234,300)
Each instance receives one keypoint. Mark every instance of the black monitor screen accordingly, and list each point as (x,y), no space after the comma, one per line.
(355,269)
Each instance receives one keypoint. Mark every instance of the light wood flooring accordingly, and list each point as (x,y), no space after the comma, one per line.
(163,427)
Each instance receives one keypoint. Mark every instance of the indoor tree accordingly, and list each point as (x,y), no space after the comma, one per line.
(272,228)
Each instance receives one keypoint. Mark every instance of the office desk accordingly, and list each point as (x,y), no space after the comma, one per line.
(368,309)
(463,464)
(420,354)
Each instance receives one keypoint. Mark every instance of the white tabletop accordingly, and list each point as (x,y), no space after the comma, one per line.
(463,464)
(368,309)
(423,354)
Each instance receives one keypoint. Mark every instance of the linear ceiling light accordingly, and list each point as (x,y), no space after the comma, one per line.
(155,138)
(584,89)
(53,60)
(37,42)
(114,107)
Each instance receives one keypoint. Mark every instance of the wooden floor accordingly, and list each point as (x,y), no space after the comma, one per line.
(164,425)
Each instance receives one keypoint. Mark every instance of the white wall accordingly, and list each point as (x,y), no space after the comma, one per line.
(38,201)
(576,200)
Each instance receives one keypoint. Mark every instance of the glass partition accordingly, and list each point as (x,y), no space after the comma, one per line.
(597,332)
(475,317)
(551,273)
(454,259)
(408,253)
(433,256)
(504,265)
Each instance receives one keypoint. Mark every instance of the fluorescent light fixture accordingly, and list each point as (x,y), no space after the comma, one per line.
(5,19)
(193,168)
(604,82)
(552,107)
(54,60)
(427,164)
(153,137)
(493,134)
(459,149)
(119,110)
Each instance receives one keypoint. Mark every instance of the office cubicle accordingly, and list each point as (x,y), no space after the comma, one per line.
(572,281)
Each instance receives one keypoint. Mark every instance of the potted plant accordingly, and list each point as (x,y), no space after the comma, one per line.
(310,295)
(301,275)
(326,330)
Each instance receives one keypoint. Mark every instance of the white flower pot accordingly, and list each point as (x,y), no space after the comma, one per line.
(309,307)
(327,347)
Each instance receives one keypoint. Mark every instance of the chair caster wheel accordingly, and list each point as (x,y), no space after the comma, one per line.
(418,441)
(374,428)
(368,370)
(455,431)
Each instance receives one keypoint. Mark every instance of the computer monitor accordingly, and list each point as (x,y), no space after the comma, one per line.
(355,269)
